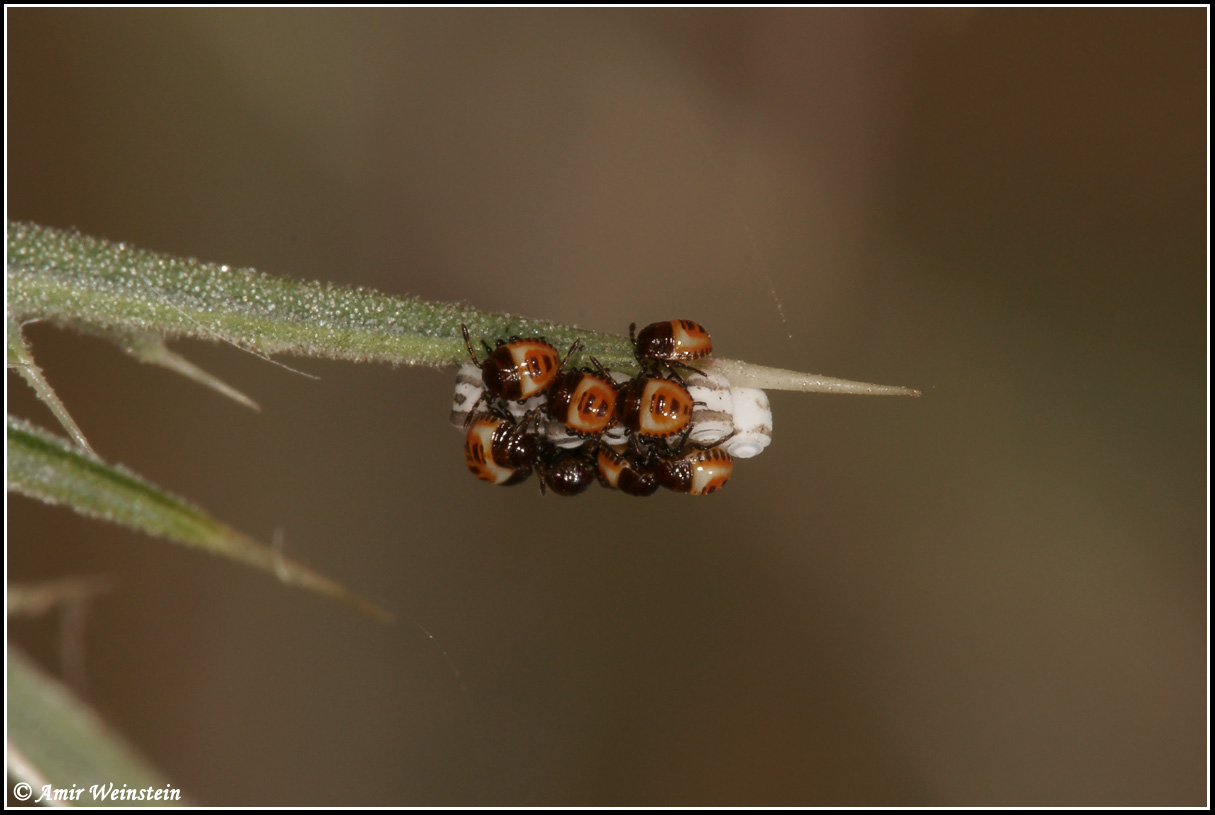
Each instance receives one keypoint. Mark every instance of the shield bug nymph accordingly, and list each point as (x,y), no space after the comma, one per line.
(499,450)
(520,367)
(654,408)
(673,343)
(697,472)
(622,471)
(584,401)
(565,472)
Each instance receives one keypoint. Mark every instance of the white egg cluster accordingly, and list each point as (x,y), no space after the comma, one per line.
(726,422)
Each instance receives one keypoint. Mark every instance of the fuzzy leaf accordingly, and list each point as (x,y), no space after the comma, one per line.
(22,361)
(117,290)
(50,469)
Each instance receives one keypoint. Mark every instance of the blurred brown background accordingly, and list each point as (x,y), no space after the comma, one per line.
(993,595)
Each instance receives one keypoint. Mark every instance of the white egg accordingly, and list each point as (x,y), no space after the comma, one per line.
(469,387)
(615,435)
(752,423)
(520,409)
(712,409)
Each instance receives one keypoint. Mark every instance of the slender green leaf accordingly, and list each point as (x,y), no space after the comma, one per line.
(117,290)
(22,361)
(120,291)
(152,349)
(50,469)
(55,742)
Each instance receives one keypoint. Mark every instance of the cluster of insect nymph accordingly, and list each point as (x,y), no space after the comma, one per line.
(672,425)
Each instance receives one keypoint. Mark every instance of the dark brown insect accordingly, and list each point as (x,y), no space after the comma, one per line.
(654,408)
(675,342)
(583,401)
(566,472)
(498,450)
(696,472)
(626,473)
(520,367)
